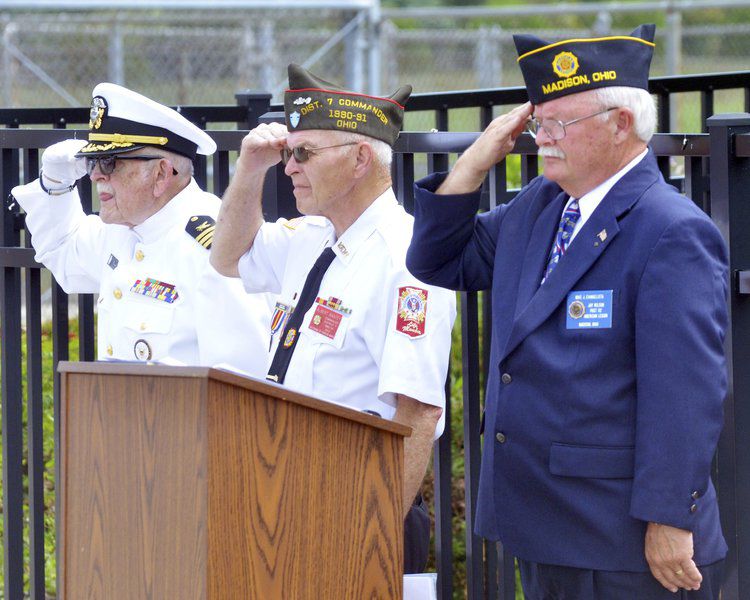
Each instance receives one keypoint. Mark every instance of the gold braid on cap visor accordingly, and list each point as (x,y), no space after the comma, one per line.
(119,138)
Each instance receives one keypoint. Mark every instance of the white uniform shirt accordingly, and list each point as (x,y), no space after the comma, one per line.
(378,332)
(159,298)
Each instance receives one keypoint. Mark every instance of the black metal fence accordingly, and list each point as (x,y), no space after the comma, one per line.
(711,168)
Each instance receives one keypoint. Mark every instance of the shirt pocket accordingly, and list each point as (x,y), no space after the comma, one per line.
(149,319)
(323,325)
(598,462)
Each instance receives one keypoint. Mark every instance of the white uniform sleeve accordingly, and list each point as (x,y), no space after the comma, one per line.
(233,327)
(67,242)
(262,267)
(417,365)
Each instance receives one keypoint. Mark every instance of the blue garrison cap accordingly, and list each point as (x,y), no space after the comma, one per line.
(554,69)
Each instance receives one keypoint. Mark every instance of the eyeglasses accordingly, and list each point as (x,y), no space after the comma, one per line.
(556,129)
(302,153)
(108,163)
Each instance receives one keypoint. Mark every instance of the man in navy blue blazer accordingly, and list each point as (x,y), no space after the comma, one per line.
(607,371)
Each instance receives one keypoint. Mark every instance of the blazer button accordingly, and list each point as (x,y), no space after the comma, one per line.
(506,378)
(695,495)
(500,437)
(693,508)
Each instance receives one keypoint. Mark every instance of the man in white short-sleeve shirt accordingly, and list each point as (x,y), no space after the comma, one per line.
(367,333)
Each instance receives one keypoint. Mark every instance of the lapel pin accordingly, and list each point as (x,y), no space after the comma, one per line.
(602,235)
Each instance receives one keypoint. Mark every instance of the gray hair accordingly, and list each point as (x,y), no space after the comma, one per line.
(640,103)
(383,152)
(182,164)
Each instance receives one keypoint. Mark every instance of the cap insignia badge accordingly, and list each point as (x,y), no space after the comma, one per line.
(98,111)
(565,64)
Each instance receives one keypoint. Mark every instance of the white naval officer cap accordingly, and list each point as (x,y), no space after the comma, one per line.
(122,120)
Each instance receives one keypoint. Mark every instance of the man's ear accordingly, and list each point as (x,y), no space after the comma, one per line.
(163,176)
(364,159)
(624,121)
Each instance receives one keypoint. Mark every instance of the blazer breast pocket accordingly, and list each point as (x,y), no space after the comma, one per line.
(602,462)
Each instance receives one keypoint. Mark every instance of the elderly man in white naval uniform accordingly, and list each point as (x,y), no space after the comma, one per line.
(146,253)
(374,338)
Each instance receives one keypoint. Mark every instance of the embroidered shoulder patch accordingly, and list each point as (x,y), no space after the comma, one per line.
(201,227)
(411,314)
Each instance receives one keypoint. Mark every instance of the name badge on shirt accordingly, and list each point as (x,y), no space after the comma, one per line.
(589,309)
(327,316)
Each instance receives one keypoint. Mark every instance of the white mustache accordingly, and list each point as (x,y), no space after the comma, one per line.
(551,151)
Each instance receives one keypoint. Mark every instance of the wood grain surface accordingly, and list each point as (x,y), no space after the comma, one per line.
(134,488)
(189,483)
(315,497)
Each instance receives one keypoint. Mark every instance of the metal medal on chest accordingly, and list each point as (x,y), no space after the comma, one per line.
(142,350)
(289,339)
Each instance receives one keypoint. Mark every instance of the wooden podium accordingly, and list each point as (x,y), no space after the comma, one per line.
(189,482)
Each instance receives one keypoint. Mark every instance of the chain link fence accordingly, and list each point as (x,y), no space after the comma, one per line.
(182,57)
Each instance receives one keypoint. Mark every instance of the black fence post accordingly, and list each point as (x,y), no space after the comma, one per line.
(278,197)
(475,560)
(730,210)
(12,397)
(256,103)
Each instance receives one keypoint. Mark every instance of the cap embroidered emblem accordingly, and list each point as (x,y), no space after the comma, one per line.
(98,110)
(565,64)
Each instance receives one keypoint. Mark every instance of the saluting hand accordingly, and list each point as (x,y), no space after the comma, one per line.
(489,149)
(261,147)
(60,167)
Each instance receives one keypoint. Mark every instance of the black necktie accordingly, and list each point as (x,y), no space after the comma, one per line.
(290,335)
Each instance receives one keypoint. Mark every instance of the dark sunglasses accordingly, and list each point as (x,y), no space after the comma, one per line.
(302,153)
(108,163)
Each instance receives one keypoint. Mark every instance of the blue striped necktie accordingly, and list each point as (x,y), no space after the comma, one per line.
(562,238)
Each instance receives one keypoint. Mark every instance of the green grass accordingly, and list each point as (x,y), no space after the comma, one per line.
(49,459)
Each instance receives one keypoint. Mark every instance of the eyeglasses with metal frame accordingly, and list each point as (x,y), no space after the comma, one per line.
(108,163)
(303,153)
(555,129)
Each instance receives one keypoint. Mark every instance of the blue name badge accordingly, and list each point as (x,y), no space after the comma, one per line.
(589,309)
